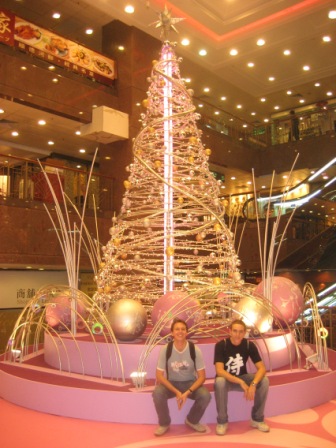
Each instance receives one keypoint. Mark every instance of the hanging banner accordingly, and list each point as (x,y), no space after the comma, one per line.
(46,45)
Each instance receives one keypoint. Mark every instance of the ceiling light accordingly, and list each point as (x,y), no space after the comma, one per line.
(250,64)
(89,31)
(253,113)
(187,80)
(55,80)
(216,112)
(23,68)
(233,52)
(78,132)
(233,178)
(239,106)
(50,142)
(56,15)
(317,84)
(82,150)
(244,125)
(15,133)
(276,107)
(306,68)
(2,111)
(326,39)
(185,42)
(260,42)
(202,52)
(223,98)
(51,67)
(79,166)
(329,94)
(302,100)
(262,100)
(271,78)
(289,92)
(121,48)
(41,122)
(200,105)
(263,186)
(206,89)
(129,9)
(266,120)
(332,14)
(287,52)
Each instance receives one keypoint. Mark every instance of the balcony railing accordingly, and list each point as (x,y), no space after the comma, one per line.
(23,183)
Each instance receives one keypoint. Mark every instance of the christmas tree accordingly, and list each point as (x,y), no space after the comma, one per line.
(170,233)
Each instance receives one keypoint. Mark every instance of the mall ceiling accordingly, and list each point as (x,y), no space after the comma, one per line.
(250,93)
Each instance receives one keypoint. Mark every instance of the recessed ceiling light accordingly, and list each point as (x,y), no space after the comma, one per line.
(276,107)
(329,94)
(82,150)
(244,125)
(266,120)
(56,15)
(79,166)
(250,64)
(260,42)
(202,52)
(326,39)
(200,105)
(302,100)
(129,9)
(41,122)
(185,42)
(332,14)
(306,68)
(271,78)
(50,142)
(253,113)
(263,186)
(289,92)
(55,80)
(15,133)
(206,89)
(89,31)
(262,100)
(239,106)
(216,112)
(233,178)
(2,111)
(233,52)
(287,52)
(121,48)
(78,132)
(223,98)
(187,80)
(51,67)
(317,84)
(23,68)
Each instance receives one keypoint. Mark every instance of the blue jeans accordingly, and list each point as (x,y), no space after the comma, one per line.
(161,394)
(222,387)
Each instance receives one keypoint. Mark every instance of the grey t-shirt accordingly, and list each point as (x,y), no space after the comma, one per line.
(180,365)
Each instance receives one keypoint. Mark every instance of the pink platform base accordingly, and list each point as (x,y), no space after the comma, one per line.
(36,385)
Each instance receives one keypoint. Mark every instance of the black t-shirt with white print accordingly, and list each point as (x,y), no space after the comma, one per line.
(234,357)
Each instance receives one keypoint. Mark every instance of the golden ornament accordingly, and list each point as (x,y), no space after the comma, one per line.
(145,102)
(117,242)
(216,281)
(191,159)
(192,140)
(170,251)
(127,184)
(217,227)
(180,200)
(157,163)
(208,152)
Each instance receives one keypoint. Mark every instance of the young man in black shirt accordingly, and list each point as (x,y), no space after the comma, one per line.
(231,356)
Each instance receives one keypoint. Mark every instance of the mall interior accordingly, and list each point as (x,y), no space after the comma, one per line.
(92,115)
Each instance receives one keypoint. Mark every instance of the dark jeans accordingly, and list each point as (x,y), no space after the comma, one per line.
(222,387)
(161,395)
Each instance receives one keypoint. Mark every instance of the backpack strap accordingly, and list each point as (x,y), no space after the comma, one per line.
(169,350)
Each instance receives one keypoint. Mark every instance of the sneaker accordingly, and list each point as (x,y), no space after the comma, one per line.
(160,430)
(196,427)
(221,429)
(262,426)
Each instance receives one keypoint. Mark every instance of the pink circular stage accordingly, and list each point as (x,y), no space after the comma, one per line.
(52,380)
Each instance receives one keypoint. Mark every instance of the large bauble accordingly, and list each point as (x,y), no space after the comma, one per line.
(175,304)
(128,319)
(60,308)
(287,299)
(254,312)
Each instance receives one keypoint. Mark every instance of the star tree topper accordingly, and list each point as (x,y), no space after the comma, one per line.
(166,22)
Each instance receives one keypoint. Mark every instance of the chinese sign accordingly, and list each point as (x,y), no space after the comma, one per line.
(54,49)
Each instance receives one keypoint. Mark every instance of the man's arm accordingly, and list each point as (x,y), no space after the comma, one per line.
(259,375)
(220,371)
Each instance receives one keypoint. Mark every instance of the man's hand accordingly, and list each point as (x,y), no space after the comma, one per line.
(181,399)
(250,393)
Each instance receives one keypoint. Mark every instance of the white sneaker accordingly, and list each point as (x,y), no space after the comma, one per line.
(262,426)
(221,428)
(160,430)
(198,427)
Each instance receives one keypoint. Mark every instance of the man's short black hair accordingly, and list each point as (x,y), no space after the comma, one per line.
(240,322)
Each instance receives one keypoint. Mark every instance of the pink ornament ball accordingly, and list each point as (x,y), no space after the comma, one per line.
(58,312)
(287,299)
(176,304)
